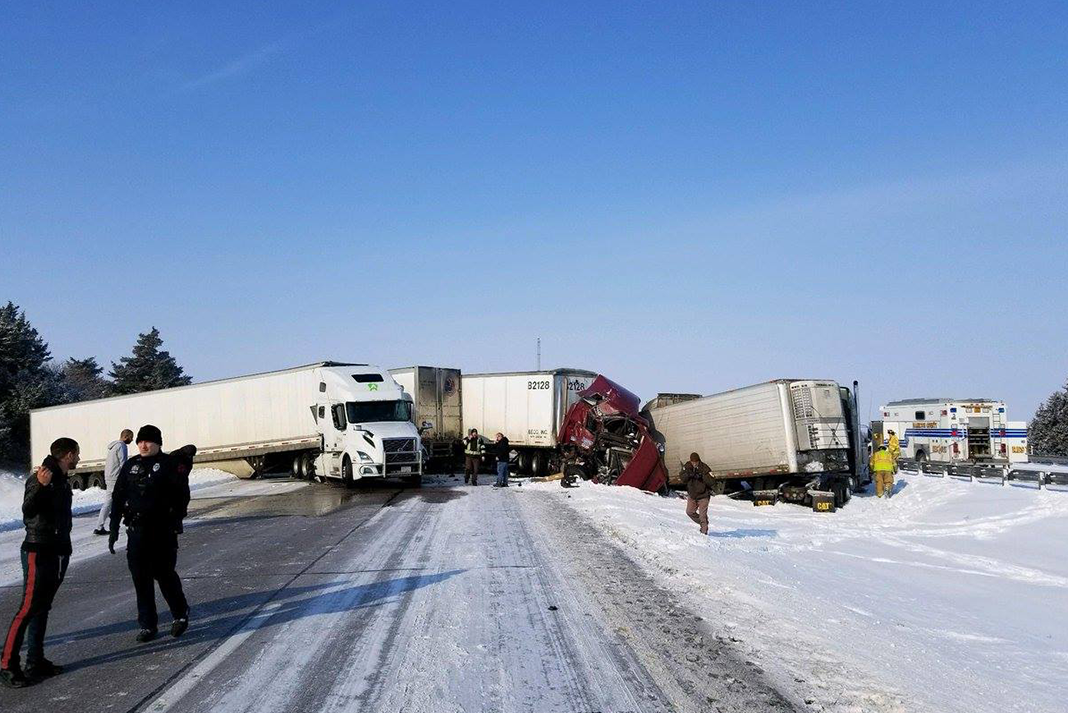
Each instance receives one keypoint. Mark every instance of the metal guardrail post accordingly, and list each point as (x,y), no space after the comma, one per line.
(1004,475)
(1042,479)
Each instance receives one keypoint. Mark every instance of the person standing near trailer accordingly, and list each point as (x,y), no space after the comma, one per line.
(882,466)
(46,553)
(152,496)
(473,451)
(502,451)
(113,463)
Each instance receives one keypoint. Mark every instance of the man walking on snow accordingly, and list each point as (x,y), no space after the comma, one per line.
(116,458)
(152,495)
(45,556)
(699,484)
(882,467)
(473,450)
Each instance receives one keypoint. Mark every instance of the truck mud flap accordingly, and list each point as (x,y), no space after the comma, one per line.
(823,502)
(762,498)
(646,470)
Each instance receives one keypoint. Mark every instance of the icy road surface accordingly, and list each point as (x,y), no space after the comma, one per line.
(450,598)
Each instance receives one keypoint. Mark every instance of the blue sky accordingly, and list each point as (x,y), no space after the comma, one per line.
(685,197)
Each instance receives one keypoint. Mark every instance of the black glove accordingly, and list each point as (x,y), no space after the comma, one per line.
(112,539)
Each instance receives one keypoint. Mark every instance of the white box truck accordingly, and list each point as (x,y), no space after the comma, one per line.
(785,439)
(324,420)
(438,415)
(528,407)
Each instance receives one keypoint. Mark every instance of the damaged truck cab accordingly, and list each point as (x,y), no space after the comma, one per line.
(604,439)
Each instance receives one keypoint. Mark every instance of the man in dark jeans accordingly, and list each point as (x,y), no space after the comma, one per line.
(45,556)
(502,451)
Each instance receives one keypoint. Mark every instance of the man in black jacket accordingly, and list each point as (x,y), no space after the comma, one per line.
(45,555)
(502,451)
(152,495)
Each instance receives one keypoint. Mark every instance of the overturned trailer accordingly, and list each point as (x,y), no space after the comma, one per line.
(604,439)
(793,440)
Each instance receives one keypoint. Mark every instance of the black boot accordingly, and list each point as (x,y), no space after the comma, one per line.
(13,678)
(179,626)
(43,669)
(146,635)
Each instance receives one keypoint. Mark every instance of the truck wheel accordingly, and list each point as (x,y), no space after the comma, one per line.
(96,480)
(719,487)
(572,473)
(523,462)
(540,464)
(298,467)
(346,473)
(921,456)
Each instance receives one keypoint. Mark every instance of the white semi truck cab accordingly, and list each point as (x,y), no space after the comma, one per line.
(365,418)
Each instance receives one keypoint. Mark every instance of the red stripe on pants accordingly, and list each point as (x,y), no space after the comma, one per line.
(9,644)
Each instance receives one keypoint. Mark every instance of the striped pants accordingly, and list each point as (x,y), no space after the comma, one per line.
(41,576)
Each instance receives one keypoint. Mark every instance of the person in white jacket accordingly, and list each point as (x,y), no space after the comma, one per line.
(116,458)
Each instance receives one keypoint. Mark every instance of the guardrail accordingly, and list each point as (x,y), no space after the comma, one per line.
(986,472)
(1048,460)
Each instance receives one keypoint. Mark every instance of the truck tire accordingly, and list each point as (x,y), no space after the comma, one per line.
(298,467)
(346,473)
(540,464)
(524,463)
(96,480)
(921,456)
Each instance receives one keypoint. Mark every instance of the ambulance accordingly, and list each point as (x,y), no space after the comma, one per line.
(953,430)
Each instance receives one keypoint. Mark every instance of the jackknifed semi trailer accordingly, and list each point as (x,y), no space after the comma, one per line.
(528,407)
(329,420)
(438,414)
(795,440)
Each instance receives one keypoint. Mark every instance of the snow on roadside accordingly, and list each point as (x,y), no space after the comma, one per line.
(12,487)
(951,596)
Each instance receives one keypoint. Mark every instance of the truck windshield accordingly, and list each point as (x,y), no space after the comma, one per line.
(372,411)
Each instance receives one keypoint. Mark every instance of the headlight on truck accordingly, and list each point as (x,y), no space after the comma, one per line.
(364,457)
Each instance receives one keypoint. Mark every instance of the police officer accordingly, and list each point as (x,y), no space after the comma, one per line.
(152,495)
(45,555)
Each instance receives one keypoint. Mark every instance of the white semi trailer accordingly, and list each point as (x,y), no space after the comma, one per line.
(786,439)
(438,414)
(324,420)
(528,407)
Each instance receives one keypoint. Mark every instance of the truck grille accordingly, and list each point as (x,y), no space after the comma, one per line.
(396,445)
(400,458)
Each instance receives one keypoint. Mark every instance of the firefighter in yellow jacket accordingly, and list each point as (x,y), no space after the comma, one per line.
(894,447)
(882,468)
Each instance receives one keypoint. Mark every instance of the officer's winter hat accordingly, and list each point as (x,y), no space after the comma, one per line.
(151,434)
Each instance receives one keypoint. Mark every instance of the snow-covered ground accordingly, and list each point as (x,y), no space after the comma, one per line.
(951,596)
(204,482)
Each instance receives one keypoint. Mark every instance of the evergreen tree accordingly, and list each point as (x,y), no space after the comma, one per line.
(148,368)
(83,380)
(1048,432)
(25,381)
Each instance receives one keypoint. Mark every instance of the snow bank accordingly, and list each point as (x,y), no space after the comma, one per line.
(12,485)
(951,596)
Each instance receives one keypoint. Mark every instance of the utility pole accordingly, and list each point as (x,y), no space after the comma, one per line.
(537,356)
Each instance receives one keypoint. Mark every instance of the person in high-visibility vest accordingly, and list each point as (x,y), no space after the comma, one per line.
(881,465)
(894,447)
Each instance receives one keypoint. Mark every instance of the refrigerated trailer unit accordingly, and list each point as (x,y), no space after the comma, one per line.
(438,414)
(949,430)
(786,439)
(323,420)
(528,407)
